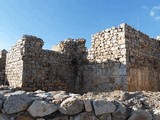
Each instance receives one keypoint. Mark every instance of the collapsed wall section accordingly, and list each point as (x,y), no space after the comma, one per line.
(105,68)
(76,51)
(32,68)
(2,66)
(143,61)
(51,70)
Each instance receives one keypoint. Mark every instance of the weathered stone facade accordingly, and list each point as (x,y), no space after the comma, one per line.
(106,66)
(143,61)
(34,68)
(119,58)
(122,58)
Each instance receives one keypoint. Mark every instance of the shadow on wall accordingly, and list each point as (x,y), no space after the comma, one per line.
(2,66)
(143,61)
(143,77)
(102,77)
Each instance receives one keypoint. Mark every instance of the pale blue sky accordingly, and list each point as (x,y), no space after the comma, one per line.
(56,20)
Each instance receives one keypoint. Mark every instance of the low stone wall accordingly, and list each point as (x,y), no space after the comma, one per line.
(59,105)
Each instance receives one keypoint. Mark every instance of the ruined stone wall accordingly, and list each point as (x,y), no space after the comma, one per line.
(122,58)
(14,65)
(76,51)
(32,75)
(31,67)
(119,58)
(2,66)
(143,61)
(105,68)
(53,70)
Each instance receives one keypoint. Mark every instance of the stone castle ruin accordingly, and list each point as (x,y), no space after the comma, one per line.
(120,58)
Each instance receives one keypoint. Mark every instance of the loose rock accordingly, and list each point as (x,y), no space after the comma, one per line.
(71,106)
(102,107)
(17,102)
(42,108)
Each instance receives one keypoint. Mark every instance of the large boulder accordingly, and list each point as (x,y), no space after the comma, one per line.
(41,108)
(85,116)
(141,115)
(102,107)
(71,106)
(17,102)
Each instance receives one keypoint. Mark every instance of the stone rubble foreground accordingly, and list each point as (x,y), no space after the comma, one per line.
(59,105)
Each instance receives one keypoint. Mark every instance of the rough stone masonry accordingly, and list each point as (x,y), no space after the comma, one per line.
(120,58)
